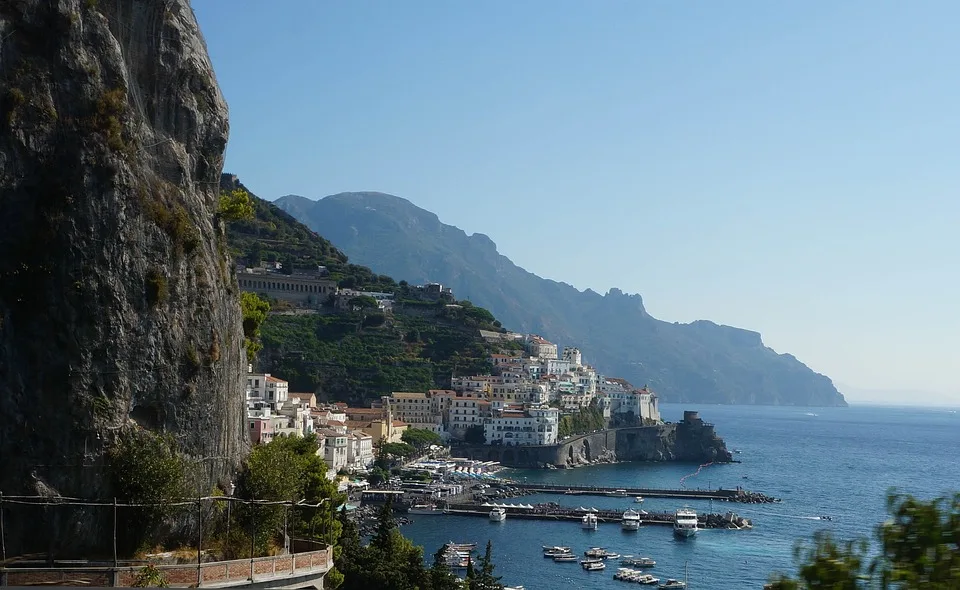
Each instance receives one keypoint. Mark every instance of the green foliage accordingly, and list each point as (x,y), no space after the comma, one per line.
(584,420)
(288,469)
(358,363)
(485,580)
(156,287)
(13,100)
(145,468)
(441,578)
(420,438)
(919,550)
(254,310)
(377,476)
(389,562)
(236,205)
(175,222)
(361,302)
(109,109)
(149,576)
(400,449)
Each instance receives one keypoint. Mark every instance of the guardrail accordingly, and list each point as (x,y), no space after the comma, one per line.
(236,572)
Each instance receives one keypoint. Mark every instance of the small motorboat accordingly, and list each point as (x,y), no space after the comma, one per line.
(559,548)
(672,584)
(638,561)
(565,557)
(638,499)
(593,565)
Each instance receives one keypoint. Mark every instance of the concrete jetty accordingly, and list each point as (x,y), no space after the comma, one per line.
(553,512)
(734,495)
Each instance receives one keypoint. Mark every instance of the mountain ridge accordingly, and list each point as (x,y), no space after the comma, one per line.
(700,361)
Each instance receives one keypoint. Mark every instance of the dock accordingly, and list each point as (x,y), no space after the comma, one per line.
(540,512)
(735,495)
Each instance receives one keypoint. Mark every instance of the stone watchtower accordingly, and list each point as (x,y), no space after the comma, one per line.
(692,417)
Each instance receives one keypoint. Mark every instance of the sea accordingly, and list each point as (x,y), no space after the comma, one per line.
(835,462)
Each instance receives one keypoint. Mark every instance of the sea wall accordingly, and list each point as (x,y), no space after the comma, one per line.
(689,440)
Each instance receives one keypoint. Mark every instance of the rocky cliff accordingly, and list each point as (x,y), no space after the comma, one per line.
(117,301)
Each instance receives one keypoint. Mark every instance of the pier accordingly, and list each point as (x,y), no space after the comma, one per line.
(543,512)
(735,495)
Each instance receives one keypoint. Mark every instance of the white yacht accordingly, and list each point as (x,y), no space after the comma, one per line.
(638,499)
(631,520)
(589,521)
(498,514)
(424,509)
(685,523)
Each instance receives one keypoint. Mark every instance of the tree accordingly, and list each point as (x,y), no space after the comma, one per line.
(377,476)
(236,205)
(918,551)
(420,438)
(441,578)
(255,312)
(485,579)
(401,450)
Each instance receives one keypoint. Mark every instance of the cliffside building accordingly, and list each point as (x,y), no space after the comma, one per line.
(307,289)
(514,425)
(541,348)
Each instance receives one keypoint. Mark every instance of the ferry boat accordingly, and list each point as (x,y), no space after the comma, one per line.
(593,565)
(498,515)
(589,521)
(637,561)
(685,523)
(618,493)
(631,520)
(424,509)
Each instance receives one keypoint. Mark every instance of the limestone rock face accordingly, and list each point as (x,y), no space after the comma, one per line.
(118,303)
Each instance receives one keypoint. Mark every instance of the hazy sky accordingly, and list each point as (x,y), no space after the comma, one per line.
(789,167)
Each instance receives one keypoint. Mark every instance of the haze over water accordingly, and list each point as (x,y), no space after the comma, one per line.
(820,461)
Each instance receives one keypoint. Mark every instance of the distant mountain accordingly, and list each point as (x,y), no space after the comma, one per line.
(698,362)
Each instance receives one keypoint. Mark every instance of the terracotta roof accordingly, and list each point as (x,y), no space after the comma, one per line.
(362,411)
(357,424)
(400,423)
(272,379)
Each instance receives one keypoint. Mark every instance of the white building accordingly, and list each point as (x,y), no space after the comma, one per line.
(556,367)
(359,450)
(541,348)
(334,451)
(512,425)
(268,388)
(642,404)
(573,356)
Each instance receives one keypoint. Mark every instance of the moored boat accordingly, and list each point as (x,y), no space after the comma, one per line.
(672,584)
(556,548)
(637,561)
(638,499)
(685,523)
(618,493)
(424,509)
(631,520)
(593,565)
(589,521)
(498,514)
(565,557)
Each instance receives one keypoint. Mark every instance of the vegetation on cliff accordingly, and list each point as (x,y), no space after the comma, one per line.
(584,420)
(919,549)
(360,355)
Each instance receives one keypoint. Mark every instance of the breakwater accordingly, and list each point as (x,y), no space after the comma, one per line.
(691,440)
(560,513)
(735,495)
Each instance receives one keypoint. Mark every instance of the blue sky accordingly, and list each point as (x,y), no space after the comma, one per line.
(789,167)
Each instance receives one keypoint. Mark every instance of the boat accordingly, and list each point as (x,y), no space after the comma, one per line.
(595,552)
(461,546)
(557,553)
(556,548)
(638,499)
(498,514)
(593,566)
(647,579)
(631,520)
(513,588)
(672,584)
(685,523)
(424,509)
(637,561)
(589,521)
(618,493)
(565,557)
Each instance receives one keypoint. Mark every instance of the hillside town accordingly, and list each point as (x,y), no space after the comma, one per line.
(520,403)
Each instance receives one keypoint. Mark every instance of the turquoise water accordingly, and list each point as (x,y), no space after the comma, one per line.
(821,461)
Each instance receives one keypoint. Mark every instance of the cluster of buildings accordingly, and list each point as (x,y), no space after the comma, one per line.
(315,287)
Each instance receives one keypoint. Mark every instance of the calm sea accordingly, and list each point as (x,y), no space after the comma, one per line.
(820,461)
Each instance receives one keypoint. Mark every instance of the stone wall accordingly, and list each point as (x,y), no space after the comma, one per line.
(695,442)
